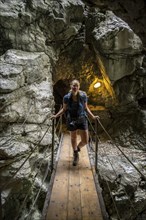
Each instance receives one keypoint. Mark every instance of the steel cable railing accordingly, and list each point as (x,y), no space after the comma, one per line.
(114,144)
(45,207)
(37,196)
(17,159)
(117,182)
(52,164)
(49,168)
(4,186)
(33,182)
(53,138)
(95,150)
(115,206)
(29,110)
(141,174)
(52,152)
(117,176)
(54,130)
(22,125)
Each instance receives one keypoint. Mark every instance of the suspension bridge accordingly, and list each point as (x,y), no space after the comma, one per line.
(73,192)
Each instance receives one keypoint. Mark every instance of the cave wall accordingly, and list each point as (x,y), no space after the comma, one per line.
(132,12)
(44,45)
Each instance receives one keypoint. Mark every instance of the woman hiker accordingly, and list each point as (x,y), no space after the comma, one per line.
(75,107)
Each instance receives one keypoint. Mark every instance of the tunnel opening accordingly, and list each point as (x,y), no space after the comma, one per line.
(60,88)
(87,67)
(90,71)
(142,103)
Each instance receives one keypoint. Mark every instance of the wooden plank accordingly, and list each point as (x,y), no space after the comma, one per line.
(89,199)
(74,200)
(48,196)
(59,199)
(74,195)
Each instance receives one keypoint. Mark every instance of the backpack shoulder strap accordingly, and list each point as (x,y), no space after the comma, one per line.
(69,100)
(82,95)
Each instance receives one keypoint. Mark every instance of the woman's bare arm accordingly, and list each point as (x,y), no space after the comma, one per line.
(61,111)
(90,113)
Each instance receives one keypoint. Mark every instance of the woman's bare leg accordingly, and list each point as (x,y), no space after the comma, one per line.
(73,135)
(84,138)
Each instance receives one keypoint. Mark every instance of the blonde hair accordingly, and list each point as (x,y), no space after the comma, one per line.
(75,81)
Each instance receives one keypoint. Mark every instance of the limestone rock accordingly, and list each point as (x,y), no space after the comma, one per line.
(23,107)
(122,182)
(62,40)
(118,45)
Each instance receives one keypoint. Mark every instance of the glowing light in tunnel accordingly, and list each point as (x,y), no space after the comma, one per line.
(97,85)
(106,80)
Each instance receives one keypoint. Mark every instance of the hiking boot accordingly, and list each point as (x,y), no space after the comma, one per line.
(76,158)
(78,149)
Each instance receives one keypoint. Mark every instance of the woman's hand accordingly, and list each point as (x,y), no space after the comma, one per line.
(53,117)
(61,112)
(95,117)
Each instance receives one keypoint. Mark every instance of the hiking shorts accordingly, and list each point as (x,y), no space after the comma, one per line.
(80,123)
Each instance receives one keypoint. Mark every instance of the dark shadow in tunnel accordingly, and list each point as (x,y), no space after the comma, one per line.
(60,88)
(142,103)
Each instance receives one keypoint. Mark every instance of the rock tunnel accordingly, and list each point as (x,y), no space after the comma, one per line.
(44,45)
(89,70)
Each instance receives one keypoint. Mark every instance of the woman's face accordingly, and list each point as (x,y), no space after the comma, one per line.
(75,87)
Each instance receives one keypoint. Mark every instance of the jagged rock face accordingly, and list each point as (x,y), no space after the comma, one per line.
(26,105)
(131,12)
(118,44)
(38,25)
(107,53)
(62,40)
(127,189)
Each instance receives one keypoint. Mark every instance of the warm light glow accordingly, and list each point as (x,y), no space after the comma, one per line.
(97,85)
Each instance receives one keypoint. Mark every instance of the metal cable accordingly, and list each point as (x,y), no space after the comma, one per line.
(142,175)
(113,200)
(17,159)
(115,206)
(120,183)
(59,124)
(25,199)
(21,124)
(46,173)
(115,173)
(33,181)
(5,185)
(116,179)
(21,133)
(45,176)
(26,84)
(110,192)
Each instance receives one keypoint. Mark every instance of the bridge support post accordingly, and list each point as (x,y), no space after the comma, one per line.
(52,150)
(96,146)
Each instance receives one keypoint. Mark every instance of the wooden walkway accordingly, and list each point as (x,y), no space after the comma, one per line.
(74,195)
